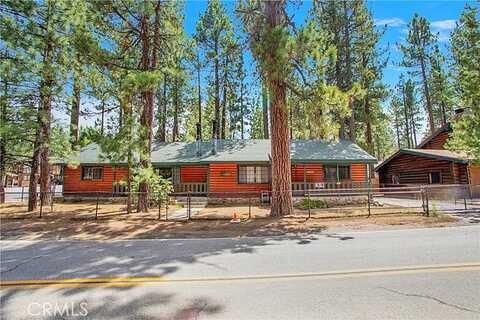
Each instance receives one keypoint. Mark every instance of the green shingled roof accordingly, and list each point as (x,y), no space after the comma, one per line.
(252,151)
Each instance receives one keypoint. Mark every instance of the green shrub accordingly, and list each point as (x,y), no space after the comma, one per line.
(312,204)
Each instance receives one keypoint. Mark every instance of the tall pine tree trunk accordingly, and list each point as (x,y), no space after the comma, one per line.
(242,113)
(3,151)
(216,133)
(175,132)
(75,112)
(45,123)
(162,112)
(368,126)
(405,111)
(199,89)
(224,101)
(34,166)
(426,91)
(265,103)
(281,165)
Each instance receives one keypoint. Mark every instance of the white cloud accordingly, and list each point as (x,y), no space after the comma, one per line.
(443,24)
(391,22)
(443,28)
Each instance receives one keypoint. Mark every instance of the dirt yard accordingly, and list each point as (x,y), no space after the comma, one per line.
(77,221)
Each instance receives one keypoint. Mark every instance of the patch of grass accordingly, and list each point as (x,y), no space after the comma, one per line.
(312,204)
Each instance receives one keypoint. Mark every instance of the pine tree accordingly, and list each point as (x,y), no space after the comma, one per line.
(416,54)
(42,30)
(466,72)
(440,87)
(270,39)
(211,30)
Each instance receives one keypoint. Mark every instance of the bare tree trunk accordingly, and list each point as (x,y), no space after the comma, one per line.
(368,126)
(413,127)
(3,151)
(444,112)
(281,164)
(405,110)
(265,102)
(75,112)
(102,121)
(45,121)
(175,132)
(224,101)
(199,89)
(2,169)
(162,112)
(397,129)
(426,91)
(33,182)
(242,113)
(217,92)
(149,63)
(348,75)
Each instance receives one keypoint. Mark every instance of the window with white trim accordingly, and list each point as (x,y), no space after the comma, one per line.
(254,174)
(92,173)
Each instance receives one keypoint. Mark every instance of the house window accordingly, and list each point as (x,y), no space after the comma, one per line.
(337,172)
(253,174)
(435,177)
(344,172)
(330,172)
(92,173)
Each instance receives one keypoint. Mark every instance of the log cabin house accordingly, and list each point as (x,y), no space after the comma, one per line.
(429,163)
(227,166)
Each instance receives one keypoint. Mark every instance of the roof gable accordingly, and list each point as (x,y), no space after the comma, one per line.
(445,128)
(428,153)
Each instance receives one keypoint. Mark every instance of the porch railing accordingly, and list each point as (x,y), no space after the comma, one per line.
(193,187)
(299,186)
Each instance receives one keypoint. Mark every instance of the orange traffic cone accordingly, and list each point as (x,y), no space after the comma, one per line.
(234,217)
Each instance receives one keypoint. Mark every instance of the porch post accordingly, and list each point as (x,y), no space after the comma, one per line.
(304,177)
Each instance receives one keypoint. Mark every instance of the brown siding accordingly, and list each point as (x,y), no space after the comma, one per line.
(415,169)
(313,172)
(359,172)
(437,142)
(474,172)
(193,174)
(223,178)
(73,183)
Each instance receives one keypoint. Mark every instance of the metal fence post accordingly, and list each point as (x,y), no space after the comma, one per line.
(249,208)
(309,209)
(96,209)
(422,193)
(159,206)
(188,205)
(22,194)
(426,200)
(465,201)
(41,205)
(368,201)
(51,202)
(166,208)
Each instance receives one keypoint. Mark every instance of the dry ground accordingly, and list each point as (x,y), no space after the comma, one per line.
(77,221)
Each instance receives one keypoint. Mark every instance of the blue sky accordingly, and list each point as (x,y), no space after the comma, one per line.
(396,14)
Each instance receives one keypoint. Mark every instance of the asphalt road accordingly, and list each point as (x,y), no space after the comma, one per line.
(403,274)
